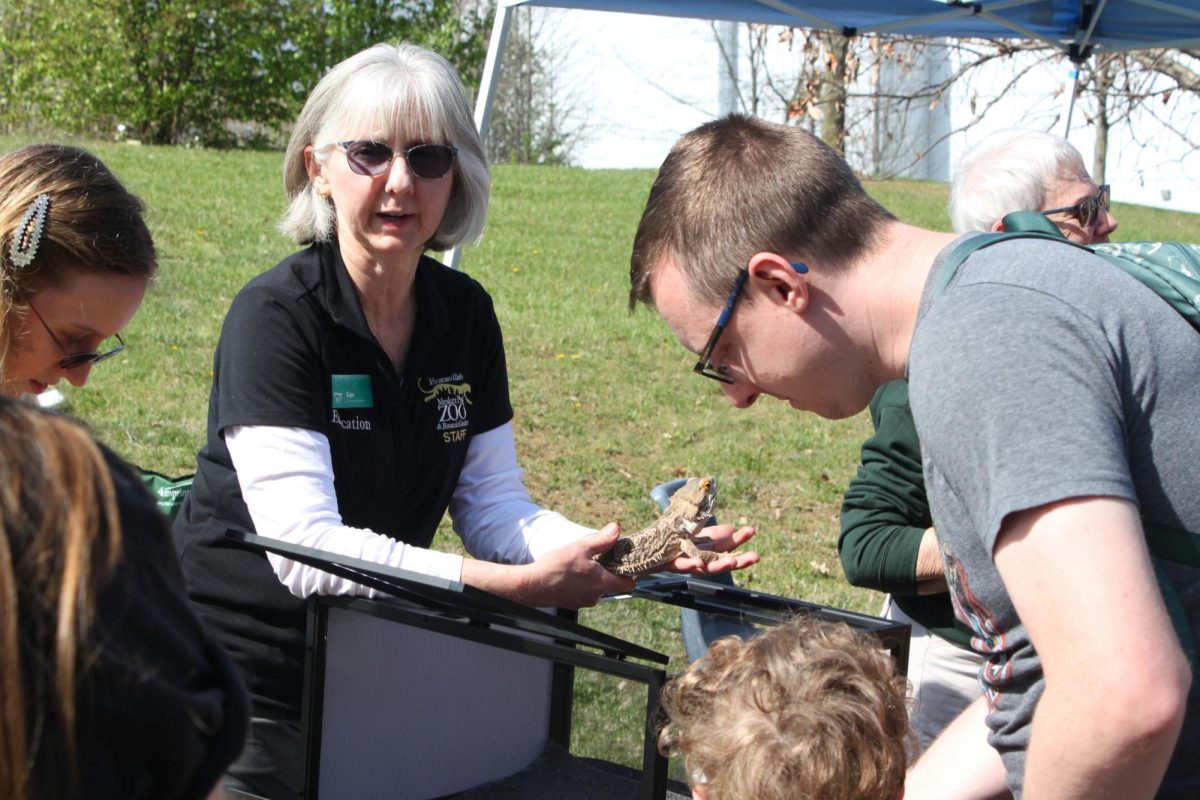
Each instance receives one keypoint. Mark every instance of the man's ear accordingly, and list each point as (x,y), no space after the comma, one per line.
(780,280)
(998,226)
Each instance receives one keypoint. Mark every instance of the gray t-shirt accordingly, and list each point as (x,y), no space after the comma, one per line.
(1040,374)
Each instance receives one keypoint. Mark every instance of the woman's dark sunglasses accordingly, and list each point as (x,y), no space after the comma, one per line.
(374,158)
(1087,210)
(75,360)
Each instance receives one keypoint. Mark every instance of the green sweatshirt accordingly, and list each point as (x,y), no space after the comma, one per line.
(885,513)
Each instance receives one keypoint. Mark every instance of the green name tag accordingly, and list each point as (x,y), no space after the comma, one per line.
(352,391)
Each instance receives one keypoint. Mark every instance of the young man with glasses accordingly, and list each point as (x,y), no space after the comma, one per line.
(1052,419)
(888,541)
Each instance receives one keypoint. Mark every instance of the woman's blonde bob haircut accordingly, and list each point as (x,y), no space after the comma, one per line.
(387,93)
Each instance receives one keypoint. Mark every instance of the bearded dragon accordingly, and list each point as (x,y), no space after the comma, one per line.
(671,536)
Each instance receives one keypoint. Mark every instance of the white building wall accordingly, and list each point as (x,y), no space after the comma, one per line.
(1146,163)
(647,80)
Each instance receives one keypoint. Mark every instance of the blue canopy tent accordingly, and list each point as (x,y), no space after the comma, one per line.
(1079,28)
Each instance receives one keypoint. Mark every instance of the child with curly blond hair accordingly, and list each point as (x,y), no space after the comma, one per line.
(808,709)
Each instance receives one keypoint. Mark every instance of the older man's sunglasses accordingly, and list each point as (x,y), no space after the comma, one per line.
(1087,210)
(374,158)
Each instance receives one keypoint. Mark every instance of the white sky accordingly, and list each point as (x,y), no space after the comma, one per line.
(638,82)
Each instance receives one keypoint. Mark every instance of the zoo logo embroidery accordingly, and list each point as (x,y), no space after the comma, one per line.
(461,389)
(453,395)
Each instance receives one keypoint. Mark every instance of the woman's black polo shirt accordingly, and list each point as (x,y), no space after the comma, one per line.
(295,351)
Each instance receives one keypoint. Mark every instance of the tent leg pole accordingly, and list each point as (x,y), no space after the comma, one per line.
(487,93)
(491,68)
(1072,91)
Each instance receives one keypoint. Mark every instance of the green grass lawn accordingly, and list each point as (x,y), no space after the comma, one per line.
(606,403)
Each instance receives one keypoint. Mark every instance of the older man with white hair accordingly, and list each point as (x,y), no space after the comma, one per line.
(1024,170)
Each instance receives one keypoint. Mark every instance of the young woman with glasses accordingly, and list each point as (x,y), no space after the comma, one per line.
(75,260)
(360,391)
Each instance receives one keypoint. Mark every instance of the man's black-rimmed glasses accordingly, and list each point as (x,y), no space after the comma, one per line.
(72,361)
(704,365)
(1087,210)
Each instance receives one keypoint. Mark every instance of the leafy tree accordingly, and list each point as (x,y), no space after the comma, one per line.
(170,70)
(198,63)
(177,71)
(17,105)
(457,29)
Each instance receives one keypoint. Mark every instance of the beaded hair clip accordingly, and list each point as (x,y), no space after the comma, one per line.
(29,232)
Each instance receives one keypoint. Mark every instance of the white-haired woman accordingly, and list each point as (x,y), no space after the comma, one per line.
(360,391)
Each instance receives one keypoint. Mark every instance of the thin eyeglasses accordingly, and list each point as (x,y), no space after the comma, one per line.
(72,361)
(704,365)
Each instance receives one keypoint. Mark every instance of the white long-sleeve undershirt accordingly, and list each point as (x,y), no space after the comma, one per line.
(287,482)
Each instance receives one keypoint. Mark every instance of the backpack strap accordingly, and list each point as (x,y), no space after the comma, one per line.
(1172,544)
(1170,269)
(1031,222)
(964,249)
(1163,541)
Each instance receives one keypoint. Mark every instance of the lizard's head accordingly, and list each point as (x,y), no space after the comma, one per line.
(706,495)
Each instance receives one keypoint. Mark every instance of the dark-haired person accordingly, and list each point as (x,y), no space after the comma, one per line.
(109,685)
